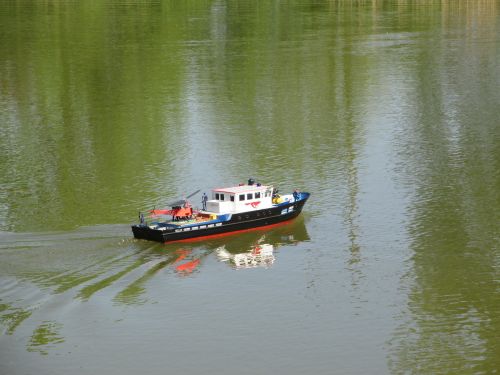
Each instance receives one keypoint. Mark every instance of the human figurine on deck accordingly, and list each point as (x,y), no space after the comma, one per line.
(204,200)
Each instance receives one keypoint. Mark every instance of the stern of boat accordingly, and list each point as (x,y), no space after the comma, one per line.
(146,233)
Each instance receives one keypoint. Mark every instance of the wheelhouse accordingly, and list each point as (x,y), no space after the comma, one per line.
(240,198)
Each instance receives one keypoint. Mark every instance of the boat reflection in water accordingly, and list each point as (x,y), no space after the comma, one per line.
(260,256)
(258,249)
(255,248)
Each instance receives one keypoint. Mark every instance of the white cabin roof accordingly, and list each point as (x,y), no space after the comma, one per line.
(241,189)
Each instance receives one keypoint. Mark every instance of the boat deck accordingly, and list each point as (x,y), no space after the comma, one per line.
(201,217)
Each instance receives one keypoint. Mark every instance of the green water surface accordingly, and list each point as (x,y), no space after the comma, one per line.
(387,112)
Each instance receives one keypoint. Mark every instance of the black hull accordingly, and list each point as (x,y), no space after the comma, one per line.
(238,222)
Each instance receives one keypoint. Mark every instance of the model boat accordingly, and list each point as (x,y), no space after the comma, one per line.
(230,209)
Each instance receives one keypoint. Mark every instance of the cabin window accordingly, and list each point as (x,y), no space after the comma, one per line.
(242,197)
(217,196)
(257,195)
(232,198)
(249,196)
(222,197)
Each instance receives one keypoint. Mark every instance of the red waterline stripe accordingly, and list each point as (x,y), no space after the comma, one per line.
(203,238)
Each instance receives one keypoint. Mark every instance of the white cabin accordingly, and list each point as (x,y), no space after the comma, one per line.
(240,199)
